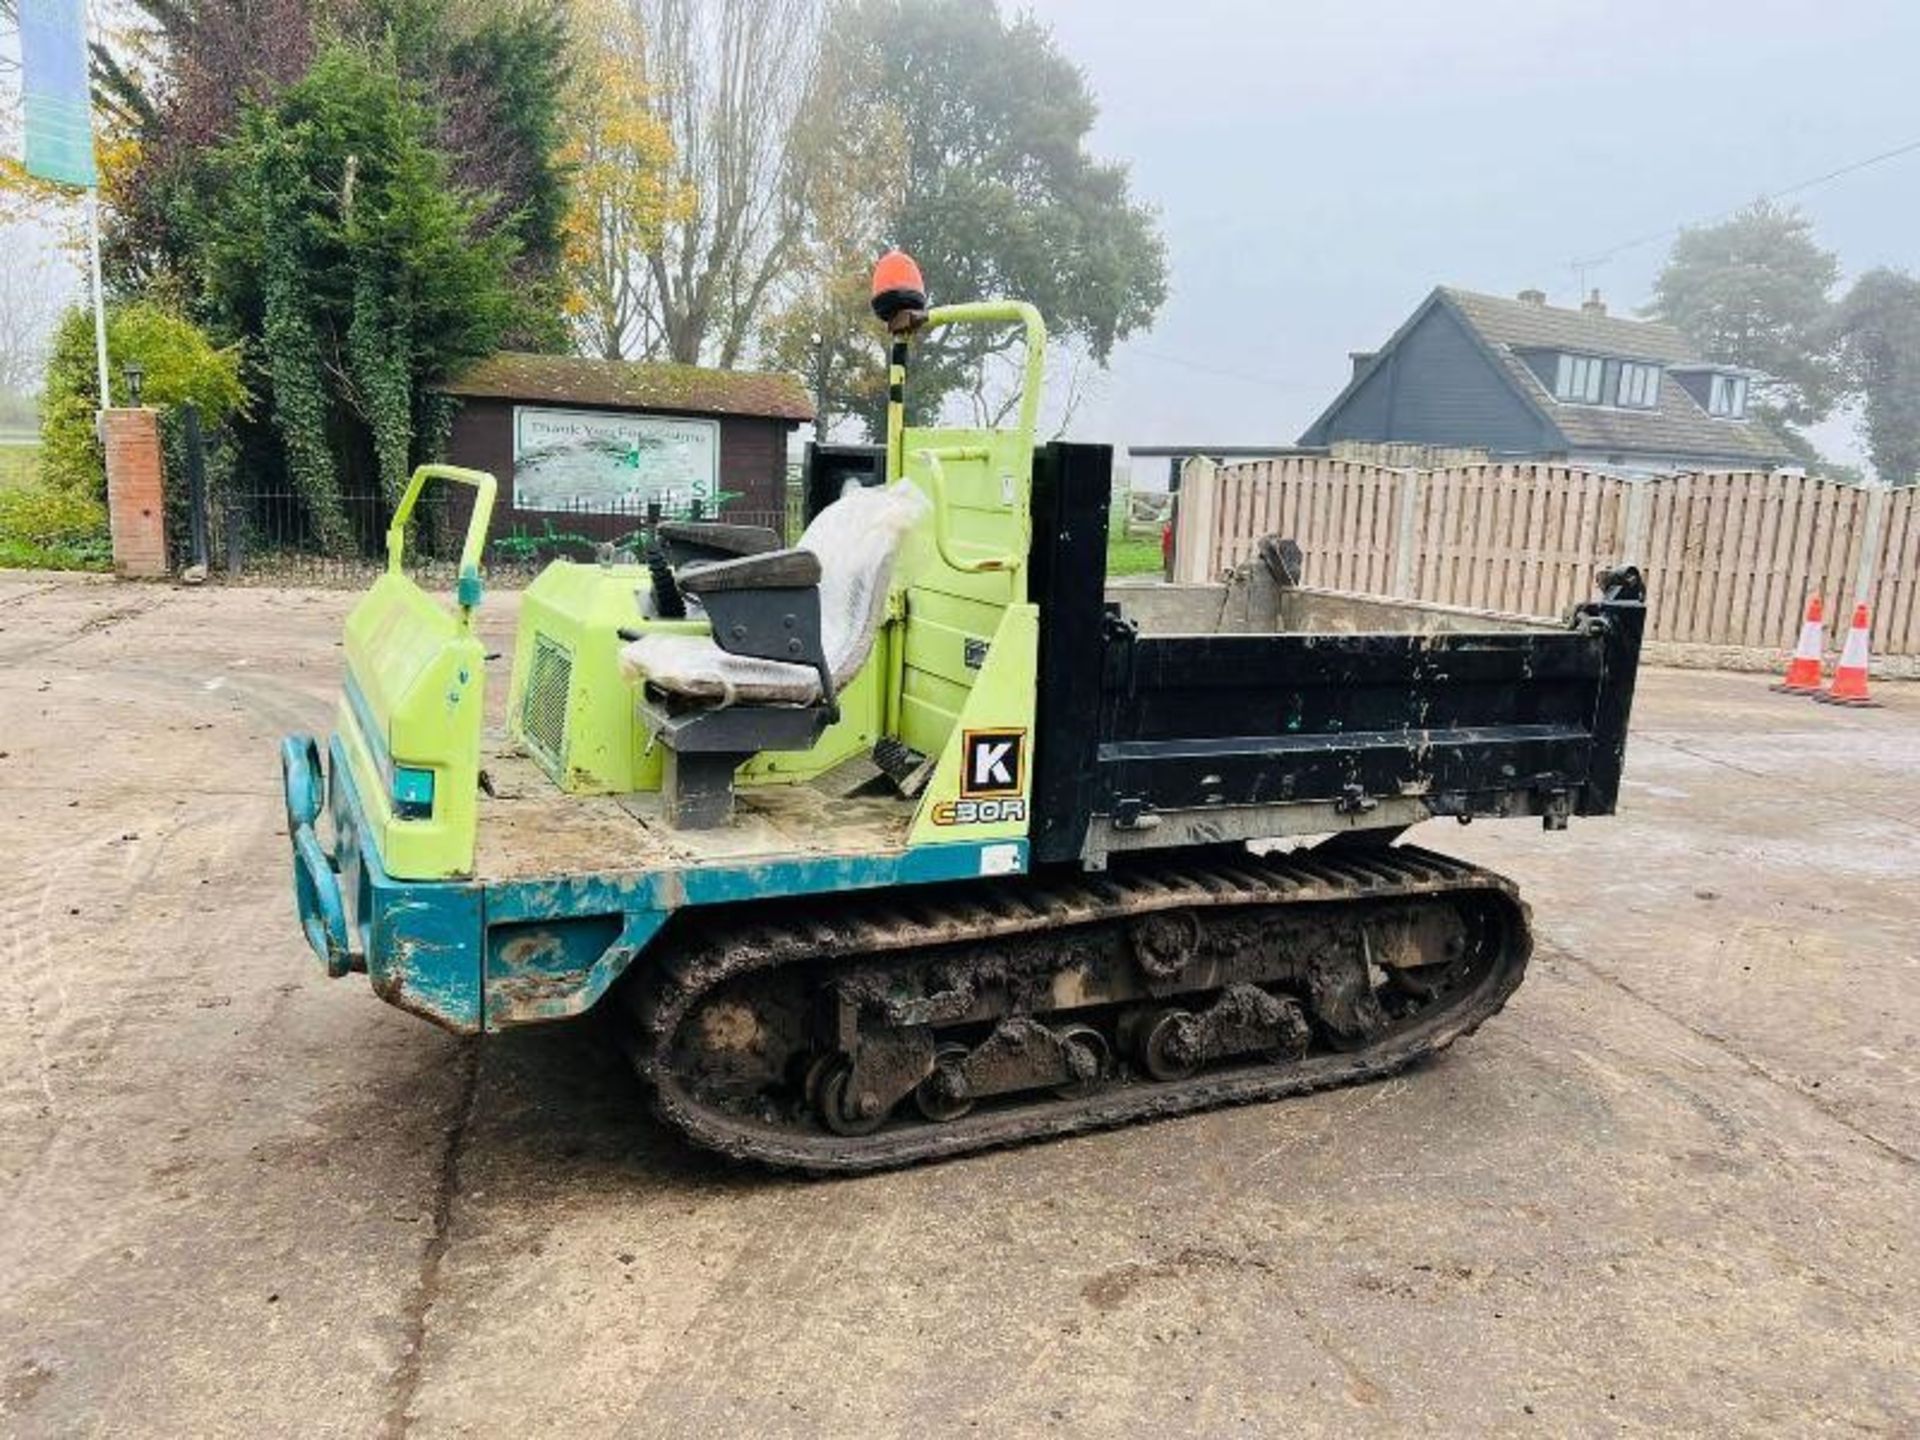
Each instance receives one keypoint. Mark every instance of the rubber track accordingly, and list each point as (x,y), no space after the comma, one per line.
(839,927)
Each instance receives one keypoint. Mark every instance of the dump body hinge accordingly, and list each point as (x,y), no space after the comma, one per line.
(1354,800)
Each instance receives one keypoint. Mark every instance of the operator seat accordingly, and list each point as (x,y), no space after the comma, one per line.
(790,629)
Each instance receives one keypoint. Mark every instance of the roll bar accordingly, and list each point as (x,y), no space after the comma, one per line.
(466,590)
(978,312)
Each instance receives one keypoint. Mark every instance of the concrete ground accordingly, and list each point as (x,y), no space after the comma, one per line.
(1672,1188)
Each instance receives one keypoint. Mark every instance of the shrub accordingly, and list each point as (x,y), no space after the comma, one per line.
(19,465)
(182,366)
(42,527)
(50,517)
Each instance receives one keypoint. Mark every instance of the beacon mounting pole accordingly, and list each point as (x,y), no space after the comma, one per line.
(900,300)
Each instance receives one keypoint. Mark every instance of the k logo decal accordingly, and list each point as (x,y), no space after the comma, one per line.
(990,770)
(995,763)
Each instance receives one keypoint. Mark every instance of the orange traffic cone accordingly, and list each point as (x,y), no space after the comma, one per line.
(1803,671)
(1849,685)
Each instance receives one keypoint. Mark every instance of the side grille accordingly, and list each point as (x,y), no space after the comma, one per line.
(543,709)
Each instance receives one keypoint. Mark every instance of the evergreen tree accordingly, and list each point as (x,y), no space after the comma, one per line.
(1877,326)
(1755,291)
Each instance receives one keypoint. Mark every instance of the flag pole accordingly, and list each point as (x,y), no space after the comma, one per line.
(99,295)
(90,22)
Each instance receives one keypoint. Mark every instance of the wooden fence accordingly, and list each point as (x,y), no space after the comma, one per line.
(1730,556)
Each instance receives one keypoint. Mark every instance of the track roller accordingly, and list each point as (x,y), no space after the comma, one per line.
(1090,1059)
(942,1097)
(859,1113)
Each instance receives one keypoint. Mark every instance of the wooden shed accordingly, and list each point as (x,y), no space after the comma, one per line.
(590,447)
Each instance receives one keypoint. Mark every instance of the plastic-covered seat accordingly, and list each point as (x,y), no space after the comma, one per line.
(854,541)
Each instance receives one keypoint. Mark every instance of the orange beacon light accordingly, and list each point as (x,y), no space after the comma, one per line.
(899,292)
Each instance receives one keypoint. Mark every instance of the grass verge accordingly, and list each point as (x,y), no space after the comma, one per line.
(27,555)
(1132,554)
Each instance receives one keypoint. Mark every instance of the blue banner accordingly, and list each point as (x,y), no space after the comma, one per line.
(53,73)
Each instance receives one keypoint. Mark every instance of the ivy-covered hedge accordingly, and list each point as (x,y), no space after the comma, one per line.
(363,272)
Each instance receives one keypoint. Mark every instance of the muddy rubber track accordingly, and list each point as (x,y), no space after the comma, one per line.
(726,945)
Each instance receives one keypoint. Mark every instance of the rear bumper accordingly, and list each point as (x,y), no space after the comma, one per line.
(316,881)
(419,942)
(471,956)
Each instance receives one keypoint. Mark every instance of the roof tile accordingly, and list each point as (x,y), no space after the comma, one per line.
(1526,326)
(632,385)
(1677,425)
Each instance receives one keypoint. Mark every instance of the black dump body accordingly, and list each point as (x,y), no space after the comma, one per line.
(1377,720)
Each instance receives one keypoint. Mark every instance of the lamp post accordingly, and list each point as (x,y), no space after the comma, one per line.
(136,374)
(821,420)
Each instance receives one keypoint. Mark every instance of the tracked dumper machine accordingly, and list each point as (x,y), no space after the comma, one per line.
(913,838)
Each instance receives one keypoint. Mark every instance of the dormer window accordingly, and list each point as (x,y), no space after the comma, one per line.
(1727,397)
(1580,379)
(1639,386)
(1591,380)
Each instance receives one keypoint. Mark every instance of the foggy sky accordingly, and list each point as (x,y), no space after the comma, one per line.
(1320,167)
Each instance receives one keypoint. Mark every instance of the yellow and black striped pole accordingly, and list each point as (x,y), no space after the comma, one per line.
(900,300)
(896,408)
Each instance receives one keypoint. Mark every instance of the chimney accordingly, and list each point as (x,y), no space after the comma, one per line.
(1593,304)
(1361,359)
(1534,297)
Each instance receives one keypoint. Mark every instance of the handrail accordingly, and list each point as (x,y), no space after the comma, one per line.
(466,591)
(937,480)
(1008,312)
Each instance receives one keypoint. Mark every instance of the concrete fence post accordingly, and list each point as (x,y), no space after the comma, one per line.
(1194,542)
(1408,536)
(1876,518)
(1639,517)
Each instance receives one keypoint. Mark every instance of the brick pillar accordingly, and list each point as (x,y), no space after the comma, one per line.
(136,496)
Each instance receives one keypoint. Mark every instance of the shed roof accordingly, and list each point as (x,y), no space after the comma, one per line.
(632,385)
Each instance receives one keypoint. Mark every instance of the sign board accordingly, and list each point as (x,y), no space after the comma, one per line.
(53,83)
(587,461)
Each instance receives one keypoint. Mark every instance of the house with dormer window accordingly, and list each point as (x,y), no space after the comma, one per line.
(1525,380)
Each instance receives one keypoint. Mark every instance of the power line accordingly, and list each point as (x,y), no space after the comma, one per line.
(1794,189)
(1203,368)
(1581,266)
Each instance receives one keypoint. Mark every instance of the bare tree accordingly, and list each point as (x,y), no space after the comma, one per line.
(1071,378)
(35,285)
(9,60)
(620,157)
(729,79)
